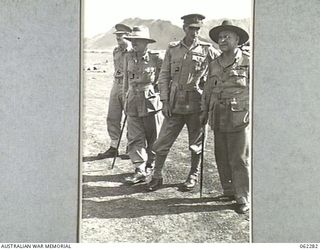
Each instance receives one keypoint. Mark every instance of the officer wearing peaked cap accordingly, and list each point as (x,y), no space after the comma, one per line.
(142,102)
(225,102)
(184,67)
(193,20)
(122,29)
(115,111)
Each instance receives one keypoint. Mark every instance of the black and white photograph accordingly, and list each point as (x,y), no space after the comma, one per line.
(166,126)
(159,122)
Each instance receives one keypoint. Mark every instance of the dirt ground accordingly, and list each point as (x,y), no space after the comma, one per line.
(116,212)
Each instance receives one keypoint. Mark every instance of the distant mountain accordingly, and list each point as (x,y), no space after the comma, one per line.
(162,31)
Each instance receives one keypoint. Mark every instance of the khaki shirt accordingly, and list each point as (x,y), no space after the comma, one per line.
(226,94)
(140,78)
(182,70)
(118,57)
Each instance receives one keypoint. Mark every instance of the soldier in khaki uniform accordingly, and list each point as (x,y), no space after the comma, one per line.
(115,111)
(184,67)
(142,102)
(225,102)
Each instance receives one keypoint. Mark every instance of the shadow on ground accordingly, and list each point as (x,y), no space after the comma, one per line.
(122,189)
(133,207)
(97,158)
(109,178)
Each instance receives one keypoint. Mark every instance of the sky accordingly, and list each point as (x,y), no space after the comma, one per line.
(101,15)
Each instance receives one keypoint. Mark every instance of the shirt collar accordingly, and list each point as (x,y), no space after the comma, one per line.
(238,55)
(237,58)
(124,48)
(145,57)
(193,45)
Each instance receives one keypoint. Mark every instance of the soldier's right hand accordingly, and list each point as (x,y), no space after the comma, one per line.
(166,110)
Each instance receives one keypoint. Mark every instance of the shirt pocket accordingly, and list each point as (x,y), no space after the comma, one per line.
(131,65)
(175,68)
(239,113)
(197,62)
(239,76)
(148,74)
(131,68)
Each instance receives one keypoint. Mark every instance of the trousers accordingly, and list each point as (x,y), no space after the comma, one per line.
(115,113)
(232,158)
(142,133)
(169,132)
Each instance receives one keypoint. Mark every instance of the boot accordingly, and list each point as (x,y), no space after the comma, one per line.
(242,208)
(155,184)
(192,180)
(110,153)
(190,183)
(137,177)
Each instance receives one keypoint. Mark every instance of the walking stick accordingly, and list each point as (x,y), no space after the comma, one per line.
(119,140)
(202,159)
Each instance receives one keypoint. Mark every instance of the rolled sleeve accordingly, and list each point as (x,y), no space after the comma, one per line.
(213,53)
